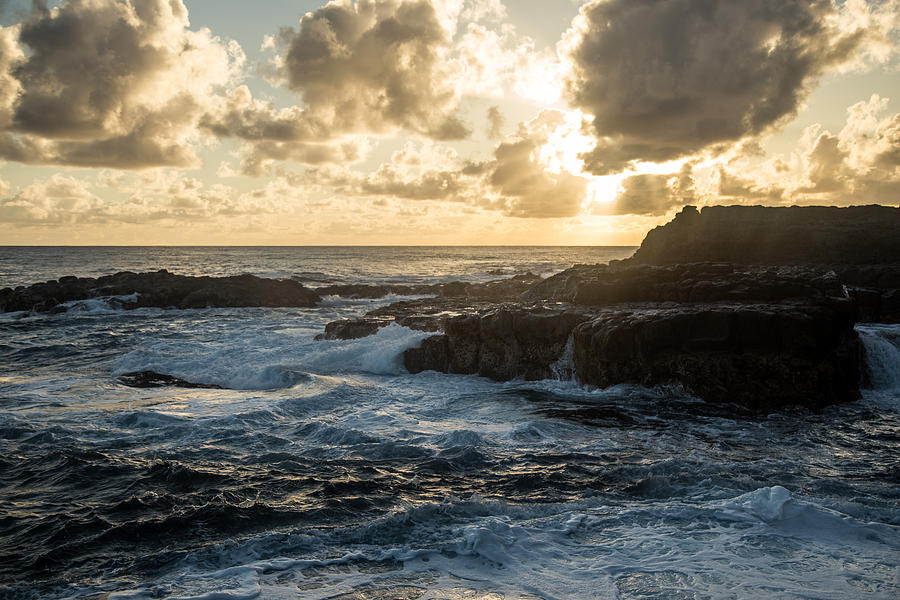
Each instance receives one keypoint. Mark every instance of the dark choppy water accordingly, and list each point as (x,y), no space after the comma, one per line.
(324,471)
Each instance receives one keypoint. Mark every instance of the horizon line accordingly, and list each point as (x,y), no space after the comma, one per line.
(319,246)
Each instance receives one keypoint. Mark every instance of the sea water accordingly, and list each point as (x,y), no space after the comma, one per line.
(322,469)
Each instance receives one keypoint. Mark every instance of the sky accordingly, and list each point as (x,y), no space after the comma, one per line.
(432,122)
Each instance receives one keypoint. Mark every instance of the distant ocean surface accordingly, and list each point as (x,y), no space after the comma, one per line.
(314,264)
(323,470)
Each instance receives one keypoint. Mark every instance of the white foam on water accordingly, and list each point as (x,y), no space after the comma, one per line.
(379,354)
(100,305)
(261,363)
(369,303)
(882,345)
(564,368)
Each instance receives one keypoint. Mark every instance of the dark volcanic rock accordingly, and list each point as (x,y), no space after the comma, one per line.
(746,305)
(757,235)
(764,356)
(758,356)
(700,282)
(501,344)
(351,329)
(761,338)
(423,315)
(162,289)
(876,289)
(859,244)
(152,379)
(498,291)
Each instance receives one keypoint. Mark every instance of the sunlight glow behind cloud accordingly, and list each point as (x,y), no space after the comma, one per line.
(415,114)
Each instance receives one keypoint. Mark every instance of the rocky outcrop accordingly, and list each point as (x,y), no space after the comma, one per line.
(497,291)
(699,282)
(760,356)
(161,289)
(501,344)
(860,245)
(750,306)
(758,338)
(876,289)
(792,235)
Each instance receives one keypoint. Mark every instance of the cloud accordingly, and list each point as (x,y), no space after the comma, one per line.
(374,64)
(520,180)
(259,157)
(495,122)
(366,67)
(420,170)
(652,194)
(160,195)
(10,54)
(858,165)
(665,79)
(735,189)
(526,186)
(108,83)
(861,164)
(238,114)
(59,200)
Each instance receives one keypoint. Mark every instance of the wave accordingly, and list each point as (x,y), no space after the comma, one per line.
(250,364)
(370,303)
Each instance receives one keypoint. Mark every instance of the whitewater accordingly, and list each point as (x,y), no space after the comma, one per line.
(321,469)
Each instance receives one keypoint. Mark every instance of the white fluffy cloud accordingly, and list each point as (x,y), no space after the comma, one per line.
(374,63)
(858,165)
(112,83)
(520,180)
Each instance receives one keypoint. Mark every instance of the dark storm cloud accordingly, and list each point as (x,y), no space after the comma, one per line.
(668,78)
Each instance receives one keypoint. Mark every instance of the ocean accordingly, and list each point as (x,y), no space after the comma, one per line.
(322,469)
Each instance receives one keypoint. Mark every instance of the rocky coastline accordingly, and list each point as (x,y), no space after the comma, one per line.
(760,339)
(159,289)
(749,306)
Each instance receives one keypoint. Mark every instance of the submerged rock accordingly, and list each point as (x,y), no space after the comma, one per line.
(152,379)
(161,289)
